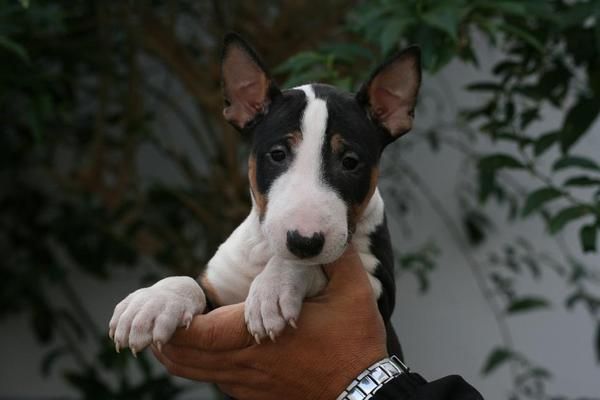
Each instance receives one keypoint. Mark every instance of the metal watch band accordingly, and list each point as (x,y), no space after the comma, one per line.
(365,385)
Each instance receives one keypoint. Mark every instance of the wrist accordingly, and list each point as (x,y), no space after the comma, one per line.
(368,382)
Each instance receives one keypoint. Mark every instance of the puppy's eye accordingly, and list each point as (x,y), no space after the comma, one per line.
(278,154)
(350,162)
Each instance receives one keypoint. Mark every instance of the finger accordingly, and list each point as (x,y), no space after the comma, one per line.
(189,357)
(347,273)
(213,375)
(221,329)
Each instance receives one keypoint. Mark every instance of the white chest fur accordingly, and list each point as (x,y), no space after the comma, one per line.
(246,252)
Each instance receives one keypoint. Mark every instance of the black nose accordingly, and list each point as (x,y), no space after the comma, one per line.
(305,247)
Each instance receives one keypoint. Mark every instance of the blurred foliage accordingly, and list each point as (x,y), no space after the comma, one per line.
(94,95)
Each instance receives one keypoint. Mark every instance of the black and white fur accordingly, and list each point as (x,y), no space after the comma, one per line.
(313,175)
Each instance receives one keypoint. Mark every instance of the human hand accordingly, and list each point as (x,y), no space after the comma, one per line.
(340,333)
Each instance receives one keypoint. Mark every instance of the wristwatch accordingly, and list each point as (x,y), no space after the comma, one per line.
(364,386)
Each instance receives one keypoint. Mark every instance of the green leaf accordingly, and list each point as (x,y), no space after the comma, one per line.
(527,37)
(487,167)
(525,304)
(496,358)
(587,236)
(485,87)
(578,120)
(445,18)
(300,61)
(544,142)
(538,198)
(14,48)
(497,161)
(508,7)
(582,181)
(576,161)
(391,34)
(565,216)
(577,14)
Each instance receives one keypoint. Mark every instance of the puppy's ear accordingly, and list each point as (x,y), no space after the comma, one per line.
(390,94)
(247,86)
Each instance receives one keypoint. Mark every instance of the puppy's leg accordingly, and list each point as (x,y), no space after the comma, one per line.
(276,295)
(152,314)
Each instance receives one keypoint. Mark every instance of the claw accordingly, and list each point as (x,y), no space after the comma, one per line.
(111,333)
(272,336)
(117,349)
(187,320)
(257,338)
(159,345)
(292,323)
(133,352)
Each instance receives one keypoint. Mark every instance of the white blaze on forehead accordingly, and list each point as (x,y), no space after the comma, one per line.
(309,160)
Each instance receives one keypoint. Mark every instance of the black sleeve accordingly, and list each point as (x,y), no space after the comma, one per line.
(413,387)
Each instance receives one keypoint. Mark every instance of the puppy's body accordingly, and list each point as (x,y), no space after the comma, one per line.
(313,177)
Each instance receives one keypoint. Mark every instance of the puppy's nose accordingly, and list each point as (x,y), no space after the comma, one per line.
(305,247)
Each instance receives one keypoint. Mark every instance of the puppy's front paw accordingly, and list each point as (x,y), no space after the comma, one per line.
(272,302)
(152,314)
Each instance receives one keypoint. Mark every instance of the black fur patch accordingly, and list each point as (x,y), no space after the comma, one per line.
(381,248)
(349,120)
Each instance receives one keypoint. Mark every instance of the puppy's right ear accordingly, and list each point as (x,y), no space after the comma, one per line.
(247,87)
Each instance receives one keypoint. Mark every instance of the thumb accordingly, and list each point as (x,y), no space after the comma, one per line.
(221,329)
(347,273)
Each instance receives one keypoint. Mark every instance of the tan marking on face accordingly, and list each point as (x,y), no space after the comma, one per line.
(259,199)
(357,210)
(294,138)
(337,143)
(209,290)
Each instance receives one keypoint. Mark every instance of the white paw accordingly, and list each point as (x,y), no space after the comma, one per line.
(152,314)
(273,302)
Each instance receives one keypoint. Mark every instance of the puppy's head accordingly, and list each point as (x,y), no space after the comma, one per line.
(315,148)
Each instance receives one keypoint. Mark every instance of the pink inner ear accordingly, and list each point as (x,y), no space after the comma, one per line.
(393,112)
(246,87)
(393,95)
(246,100)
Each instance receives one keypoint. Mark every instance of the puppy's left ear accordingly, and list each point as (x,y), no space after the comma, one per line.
(390,95)
(247,87)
